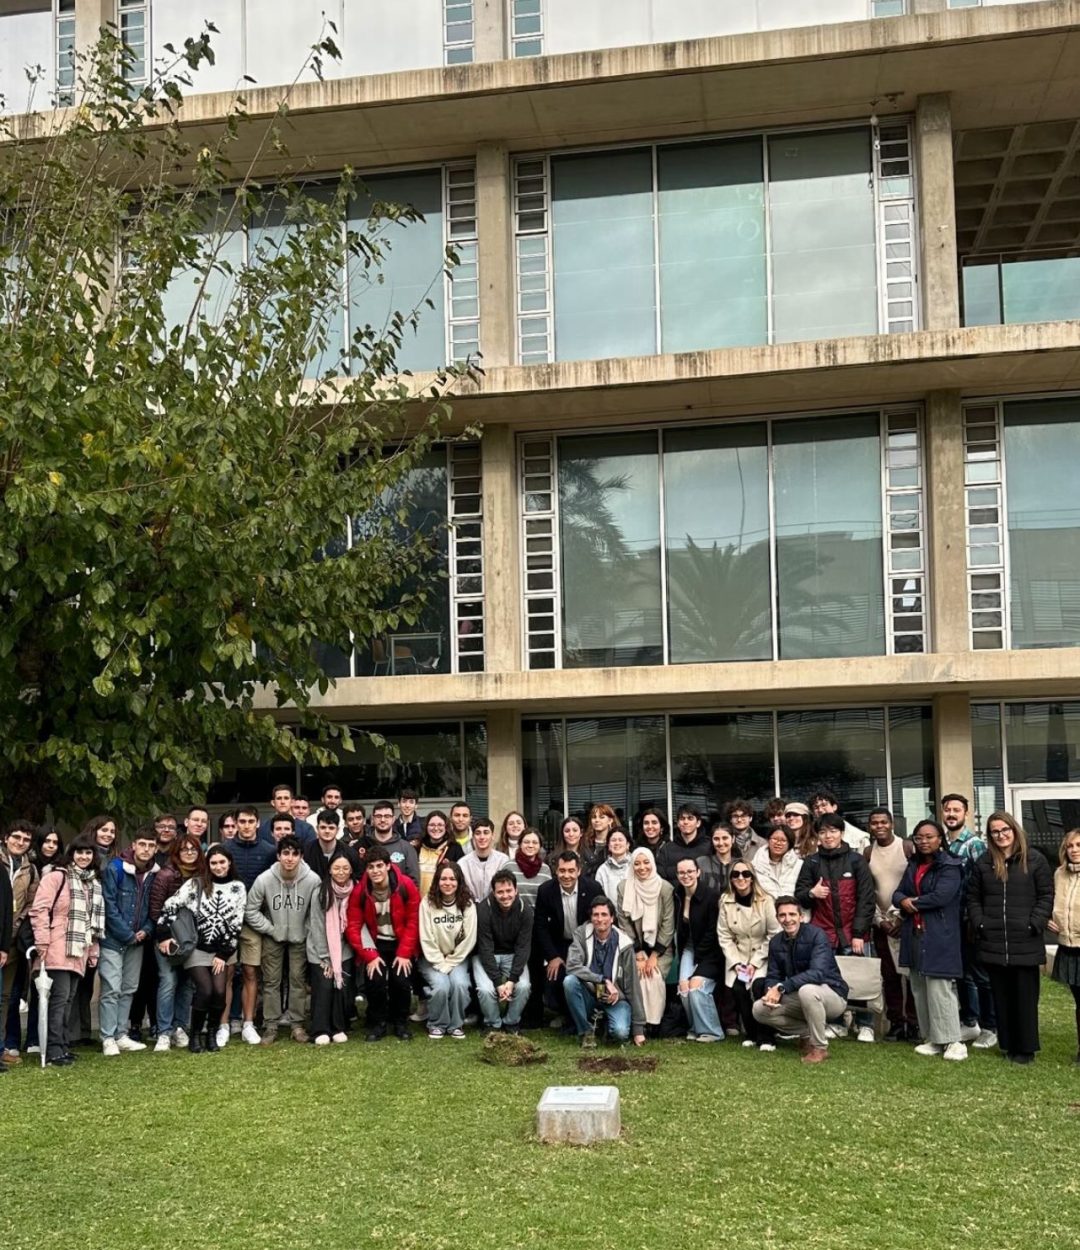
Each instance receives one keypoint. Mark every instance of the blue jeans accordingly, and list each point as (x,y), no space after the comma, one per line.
(582,1003)
(699,1004)
(173,995)
(448,995)
(119,971)
(489,1000)
(22,986)
(976,1000)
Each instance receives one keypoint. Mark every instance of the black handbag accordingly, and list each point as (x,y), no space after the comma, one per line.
(182,931)
(24,936)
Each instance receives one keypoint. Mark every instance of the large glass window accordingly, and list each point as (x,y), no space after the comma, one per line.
(716,758)
(824,249)
(827,480)
(691,246)
(609,518)
(911,752)
(602,241)
(1042,742)
(716,511)
(986,759)
(842,750)
(748,572)
(1022,289)
(1042,450)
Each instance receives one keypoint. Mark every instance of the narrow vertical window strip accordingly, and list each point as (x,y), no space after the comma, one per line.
(894,182)
(463,281)
(64,25)
(538,495)
(526,28)
(134,19)
(459,32)
(904,530)
(984,500)
(532,251)
(466,496)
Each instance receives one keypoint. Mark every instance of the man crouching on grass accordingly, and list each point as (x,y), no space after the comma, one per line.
(803,987)
(601,978)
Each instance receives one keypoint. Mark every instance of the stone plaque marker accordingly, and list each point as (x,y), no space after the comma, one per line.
(580,1114)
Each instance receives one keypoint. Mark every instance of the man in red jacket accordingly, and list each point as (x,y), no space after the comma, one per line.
(383,928)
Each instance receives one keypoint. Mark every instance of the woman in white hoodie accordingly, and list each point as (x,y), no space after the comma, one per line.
(447,938)
(776,864)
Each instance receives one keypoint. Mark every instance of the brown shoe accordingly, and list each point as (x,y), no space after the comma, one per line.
(269,1035)
(12,1057)
(299,1034)
(816,1054)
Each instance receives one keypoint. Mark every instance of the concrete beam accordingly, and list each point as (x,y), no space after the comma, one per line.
(503,628)
(946,516)
(977,674)
(504,763)
(490,28)
(496,257)
(938,278)
(952,746)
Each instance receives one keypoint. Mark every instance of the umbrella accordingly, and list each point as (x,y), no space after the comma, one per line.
(43,985)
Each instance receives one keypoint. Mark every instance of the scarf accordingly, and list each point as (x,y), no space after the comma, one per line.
(442,846)
(86,912)
(335,927)
(1072,867)
(530,865)
(641,899)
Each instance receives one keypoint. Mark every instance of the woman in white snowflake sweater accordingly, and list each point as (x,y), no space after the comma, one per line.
(217,900)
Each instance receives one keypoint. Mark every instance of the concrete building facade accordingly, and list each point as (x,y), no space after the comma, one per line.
(777,309)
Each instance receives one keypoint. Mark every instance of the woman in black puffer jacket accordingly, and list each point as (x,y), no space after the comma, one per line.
(1010,898)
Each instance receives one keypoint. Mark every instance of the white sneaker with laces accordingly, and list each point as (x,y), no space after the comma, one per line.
(458,1035)
(163,1044)
(833,1031)
(109,1047)
(956,1050)
(33,1050)
(865,1034)
(929,1048)
(250,1033)
(970,1032)
(222,1036)
(125,1043)
(986,1040)
(180,1038)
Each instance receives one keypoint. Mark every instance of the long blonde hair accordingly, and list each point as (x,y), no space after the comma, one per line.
(999,860)
(757,894)
(1063,858)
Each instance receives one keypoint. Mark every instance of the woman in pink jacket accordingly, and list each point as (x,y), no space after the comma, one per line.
(68,917)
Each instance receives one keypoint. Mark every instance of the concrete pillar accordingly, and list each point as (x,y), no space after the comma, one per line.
(496,254)
(490,35)
(502,562)
(946,518)
(952,746)
(90,16)
(937,213)
(504,764)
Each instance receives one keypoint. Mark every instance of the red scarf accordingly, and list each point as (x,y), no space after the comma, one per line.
(530,865)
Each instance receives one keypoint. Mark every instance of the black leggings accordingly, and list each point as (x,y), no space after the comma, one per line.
(209,989)
(1076,999)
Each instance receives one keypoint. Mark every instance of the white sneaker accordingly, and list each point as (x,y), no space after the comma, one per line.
(180,1038)
(163,1044)
(222,1037)
(929,1048)
(340,1038)
(865,1034)
(234,1027)
(748,1044)
(250,1033)
(833,1031)
(33,1050)
(125,1043)
(970,1032)
(420,1014)
(766,1048)
(956,1050)
(323,1039)
(986,1040)
(109,1047)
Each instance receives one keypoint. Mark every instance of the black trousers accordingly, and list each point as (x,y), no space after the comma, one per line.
(144,1003)
(65,986)
(1016,1005)
(757,1032)
(328,1003)
(389,993)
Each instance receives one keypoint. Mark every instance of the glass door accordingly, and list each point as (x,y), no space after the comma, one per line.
(1047,813)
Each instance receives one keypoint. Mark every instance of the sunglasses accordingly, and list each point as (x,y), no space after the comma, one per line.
(743,875)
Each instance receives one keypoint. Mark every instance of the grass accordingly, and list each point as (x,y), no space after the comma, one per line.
(424,1146)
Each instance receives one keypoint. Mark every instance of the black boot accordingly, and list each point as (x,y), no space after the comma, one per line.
(195,1037)
(211,1032)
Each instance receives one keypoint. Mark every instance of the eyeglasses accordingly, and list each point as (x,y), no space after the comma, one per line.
(1000,833)
(742,876)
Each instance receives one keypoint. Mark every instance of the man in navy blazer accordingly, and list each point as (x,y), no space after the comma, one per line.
(562,904)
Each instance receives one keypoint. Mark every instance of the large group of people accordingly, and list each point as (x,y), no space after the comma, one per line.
(756,927)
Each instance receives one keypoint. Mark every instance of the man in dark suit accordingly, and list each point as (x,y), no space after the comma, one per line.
(562,904)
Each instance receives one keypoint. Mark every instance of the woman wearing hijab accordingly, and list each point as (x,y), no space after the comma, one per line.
(646,914)
(330,957)
(612,872)
(530,871)
(436,846)
(68,918)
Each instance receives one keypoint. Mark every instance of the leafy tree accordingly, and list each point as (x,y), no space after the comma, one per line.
(184,435)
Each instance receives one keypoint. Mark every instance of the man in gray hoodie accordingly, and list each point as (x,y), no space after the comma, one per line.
(277,909)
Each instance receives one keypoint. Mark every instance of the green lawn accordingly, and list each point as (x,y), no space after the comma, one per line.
(424,1146)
